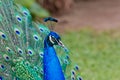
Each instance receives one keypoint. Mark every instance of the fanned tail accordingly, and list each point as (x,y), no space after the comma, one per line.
(21,45)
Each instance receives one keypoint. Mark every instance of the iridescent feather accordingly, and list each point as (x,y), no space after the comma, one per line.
(22,45)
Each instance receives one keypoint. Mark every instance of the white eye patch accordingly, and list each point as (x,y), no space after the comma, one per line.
(51,40)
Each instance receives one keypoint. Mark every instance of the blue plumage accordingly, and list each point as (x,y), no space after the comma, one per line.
(52,67)
(27,50)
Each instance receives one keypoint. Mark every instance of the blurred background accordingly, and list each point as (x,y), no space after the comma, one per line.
(90,29)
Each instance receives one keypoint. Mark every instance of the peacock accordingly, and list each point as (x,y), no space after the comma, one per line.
(28,49)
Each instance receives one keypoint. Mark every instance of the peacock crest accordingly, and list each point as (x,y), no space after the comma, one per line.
(22,47)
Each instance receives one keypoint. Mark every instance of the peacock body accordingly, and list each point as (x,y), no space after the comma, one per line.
(28,49)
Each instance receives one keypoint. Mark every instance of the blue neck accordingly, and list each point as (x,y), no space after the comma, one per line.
(52,67)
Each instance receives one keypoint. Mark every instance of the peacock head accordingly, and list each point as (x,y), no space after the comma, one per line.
(54,39)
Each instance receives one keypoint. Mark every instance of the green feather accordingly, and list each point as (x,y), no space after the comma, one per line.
(22,45)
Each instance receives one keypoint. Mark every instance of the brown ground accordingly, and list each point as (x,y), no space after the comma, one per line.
(100,14)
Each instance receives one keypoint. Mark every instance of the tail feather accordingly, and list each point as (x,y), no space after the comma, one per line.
(22,43)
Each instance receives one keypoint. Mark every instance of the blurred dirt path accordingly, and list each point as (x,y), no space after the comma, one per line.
(100,14)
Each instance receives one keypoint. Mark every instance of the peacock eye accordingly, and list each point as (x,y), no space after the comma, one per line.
(41,71)
(35,68)
(36,37)
(6,57)
(25,13)
(66,61)
(19,18)
(53,39)
(3,36)
(2,67)
(41,30)
(1,78)
(20,51)
(79,78)
(73,72)
(17,31)
(30,52)
(76,67)
(41,54)
(8,49)
(27,63)
(72,77)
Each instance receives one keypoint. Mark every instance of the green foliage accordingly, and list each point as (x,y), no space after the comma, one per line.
(34,8)
(98,54)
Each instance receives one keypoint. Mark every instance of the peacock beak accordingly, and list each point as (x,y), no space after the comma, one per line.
(61,44)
